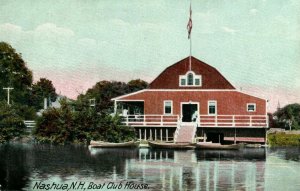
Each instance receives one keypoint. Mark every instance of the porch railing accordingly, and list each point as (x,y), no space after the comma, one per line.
(202,120)
(233,120)
(151,120)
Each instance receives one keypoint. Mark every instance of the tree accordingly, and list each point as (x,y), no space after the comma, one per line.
(136,85)
(11,124)
(14,73)
(40,90)
(104,91)
(288,116)
(65,125)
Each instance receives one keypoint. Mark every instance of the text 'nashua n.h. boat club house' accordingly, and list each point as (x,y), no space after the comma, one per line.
(191,99)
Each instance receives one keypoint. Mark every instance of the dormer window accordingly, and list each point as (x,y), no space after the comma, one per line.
(182,81)
(190,79)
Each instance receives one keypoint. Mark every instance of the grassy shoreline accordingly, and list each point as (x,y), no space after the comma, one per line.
(284,139)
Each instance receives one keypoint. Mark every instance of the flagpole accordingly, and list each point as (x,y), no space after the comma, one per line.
(190,36)
(190,52)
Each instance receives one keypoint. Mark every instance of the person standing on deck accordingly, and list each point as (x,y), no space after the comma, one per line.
(194,116)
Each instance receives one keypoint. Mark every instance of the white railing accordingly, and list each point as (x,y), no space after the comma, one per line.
(233,121)
(30,124)
(202,120)
(151,120)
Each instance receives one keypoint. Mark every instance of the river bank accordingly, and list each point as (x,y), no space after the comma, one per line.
(286,138)
(274,137)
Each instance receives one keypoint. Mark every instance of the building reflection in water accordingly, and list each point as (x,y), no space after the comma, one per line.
(199,170)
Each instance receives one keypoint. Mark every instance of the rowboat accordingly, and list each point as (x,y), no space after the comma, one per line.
(216,146)
(253,145)
(163,145)
(101,144)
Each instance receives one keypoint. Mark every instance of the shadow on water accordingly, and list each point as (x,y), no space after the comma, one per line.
(257,154)
(241,155)
(14,167)
(20,162)
(286,153)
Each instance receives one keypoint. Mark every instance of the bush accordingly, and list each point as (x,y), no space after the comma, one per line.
(282,139)
(11,124)
(65,125)
(26,112)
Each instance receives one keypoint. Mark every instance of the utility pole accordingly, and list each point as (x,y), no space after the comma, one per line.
(290,122)
(8,93)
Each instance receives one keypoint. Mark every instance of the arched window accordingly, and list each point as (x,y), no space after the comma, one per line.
(190,79)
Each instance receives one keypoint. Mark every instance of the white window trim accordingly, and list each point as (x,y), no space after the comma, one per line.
(216,107)
(194,79)
(200,80)
(165,107)
(251,104)
(182,77)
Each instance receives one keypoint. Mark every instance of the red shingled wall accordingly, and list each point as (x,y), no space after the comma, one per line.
(228,102)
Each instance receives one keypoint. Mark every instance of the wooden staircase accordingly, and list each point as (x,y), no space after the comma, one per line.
(185,133)
(30,124)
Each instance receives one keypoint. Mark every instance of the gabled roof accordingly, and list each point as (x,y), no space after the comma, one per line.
(211,77)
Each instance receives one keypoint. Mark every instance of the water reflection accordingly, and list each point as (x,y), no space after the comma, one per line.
(248,169)
(14,167)
(246,154)
(286,153)
(206,170)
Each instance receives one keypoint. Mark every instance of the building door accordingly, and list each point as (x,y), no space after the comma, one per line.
(189,112)
(215,137)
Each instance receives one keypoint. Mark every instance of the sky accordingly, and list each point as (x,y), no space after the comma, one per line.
(76,43)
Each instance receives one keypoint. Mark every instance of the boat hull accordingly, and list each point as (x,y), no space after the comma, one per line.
(253,145)
(159,145)
(100,144)
(216,146)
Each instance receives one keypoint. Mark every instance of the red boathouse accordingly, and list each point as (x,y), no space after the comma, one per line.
(189,100)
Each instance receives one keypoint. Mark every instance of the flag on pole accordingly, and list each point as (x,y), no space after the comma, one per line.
(190,23)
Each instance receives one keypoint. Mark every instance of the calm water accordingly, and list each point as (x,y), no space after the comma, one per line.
(29,167)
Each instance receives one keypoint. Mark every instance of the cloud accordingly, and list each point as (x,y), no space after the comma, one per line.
(253,11)
(209,22)
(206,17)
(51,29)
(8,27)
(87,42)
(11,33)
(228,30)
(119,22)
(46,32)
(43,29)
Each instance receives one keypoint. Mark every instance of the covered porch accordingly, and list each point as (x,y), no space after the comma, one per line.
(132,113)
